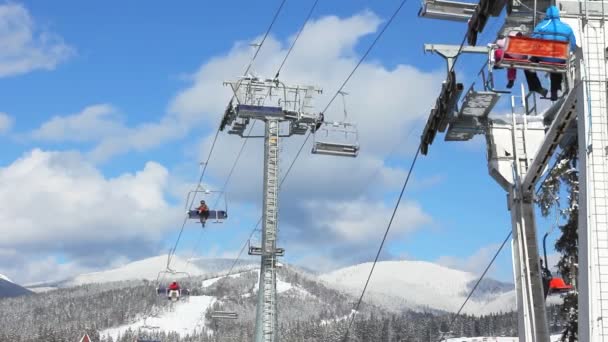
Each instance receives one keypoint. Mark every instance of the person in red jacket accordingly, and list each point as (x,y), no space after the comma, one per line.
(203,212)
(174,286)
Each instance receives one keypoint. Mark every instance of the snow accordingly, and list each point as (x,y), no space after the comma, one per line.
(3,277)
(148,269)
(417,285)
(185,318)
(283,286)
(211,281)
(41,289)
(143,269)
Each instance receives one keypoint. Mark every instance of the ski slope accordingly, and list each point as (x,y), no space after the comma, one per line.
(185,318)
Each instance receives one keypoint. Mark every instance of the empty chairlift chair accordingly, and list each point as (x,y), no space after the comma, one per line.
(224,315)
(337,138)
(552,285)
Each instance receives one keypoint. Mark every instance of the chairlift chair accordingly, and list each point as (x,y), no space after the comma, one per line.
(521,52)
(532,49)
(553,285)
(216,215)
(224,315)
(339,138)
(144,333)
(163,289)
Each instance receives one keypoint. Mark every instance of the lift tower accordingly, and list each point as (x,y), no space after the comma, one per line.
(275,104)
(520,146)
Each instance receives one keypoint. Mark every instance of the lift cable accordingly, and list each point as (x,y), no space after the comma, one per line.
(296,39)
(222,193)
(388,228)
(477,283)
(365,54)
(200,181)
(348,78)
(172,251)
(274,19)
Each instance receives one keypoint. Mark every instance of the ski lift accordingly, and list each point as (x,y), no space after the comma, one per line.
(521,52)
(224,315)
(173,291)
(552,285)
(255,250)
(216,214)
(145,332)
(339,138)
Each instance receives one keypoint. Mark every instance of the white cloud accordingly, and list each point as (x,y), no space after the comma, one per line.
(22,47)
(384,102)
(342,196)
(46,269)
(360,220)
(57,202)
(475,263)
(91,124)
(6,123)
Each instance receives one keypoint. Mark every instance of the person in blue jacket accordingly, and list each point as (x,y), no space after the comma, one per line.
(551,27)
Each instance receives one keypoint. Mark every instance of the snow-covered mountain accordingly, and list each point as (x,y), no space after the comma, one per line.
(146,269)
(422,285)
(395,285)
(10,289)
(123,303)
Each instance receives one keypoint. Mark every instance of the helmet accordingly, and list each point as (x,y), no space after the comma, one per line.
(202,202)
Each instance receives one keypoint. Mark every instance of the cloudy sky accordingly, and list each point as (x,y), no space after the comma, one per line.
(107,110)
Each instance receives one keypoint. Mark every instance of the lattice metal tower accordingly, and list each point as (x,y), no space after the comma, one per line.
(275,104)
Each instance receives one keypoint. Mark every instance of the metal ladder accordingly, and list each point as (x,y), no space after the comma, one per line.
(521,148)
(595,83)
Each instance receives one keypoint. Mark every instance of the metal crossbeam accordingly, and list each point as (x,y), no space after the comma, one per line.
(553,137)
(450,52)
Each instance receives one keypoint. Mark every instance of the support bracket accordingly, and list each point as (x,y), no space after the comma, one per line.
(450,52)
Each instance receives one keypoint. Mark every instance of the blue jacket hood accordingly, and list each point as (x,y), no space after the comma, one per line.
(552,12)
(551,27)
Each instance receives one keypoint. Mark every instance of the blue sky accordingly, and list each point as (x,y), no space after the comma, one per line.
(118,102)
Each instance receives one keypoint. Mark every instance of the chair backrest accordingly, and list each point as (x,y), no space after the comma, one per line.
(535,47)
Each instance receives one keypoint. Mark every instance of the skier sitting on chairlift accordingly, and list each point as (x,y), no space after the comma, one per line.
(553,29)
(203,212)
(174,286)
(499,54)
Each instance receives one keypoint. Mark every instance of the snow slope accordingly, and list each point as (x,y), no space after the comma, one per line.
(419,285)
(3,277)
(185,318)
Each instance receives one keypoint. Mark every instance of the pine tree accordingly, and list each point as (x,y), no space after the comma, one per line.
(565,172)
